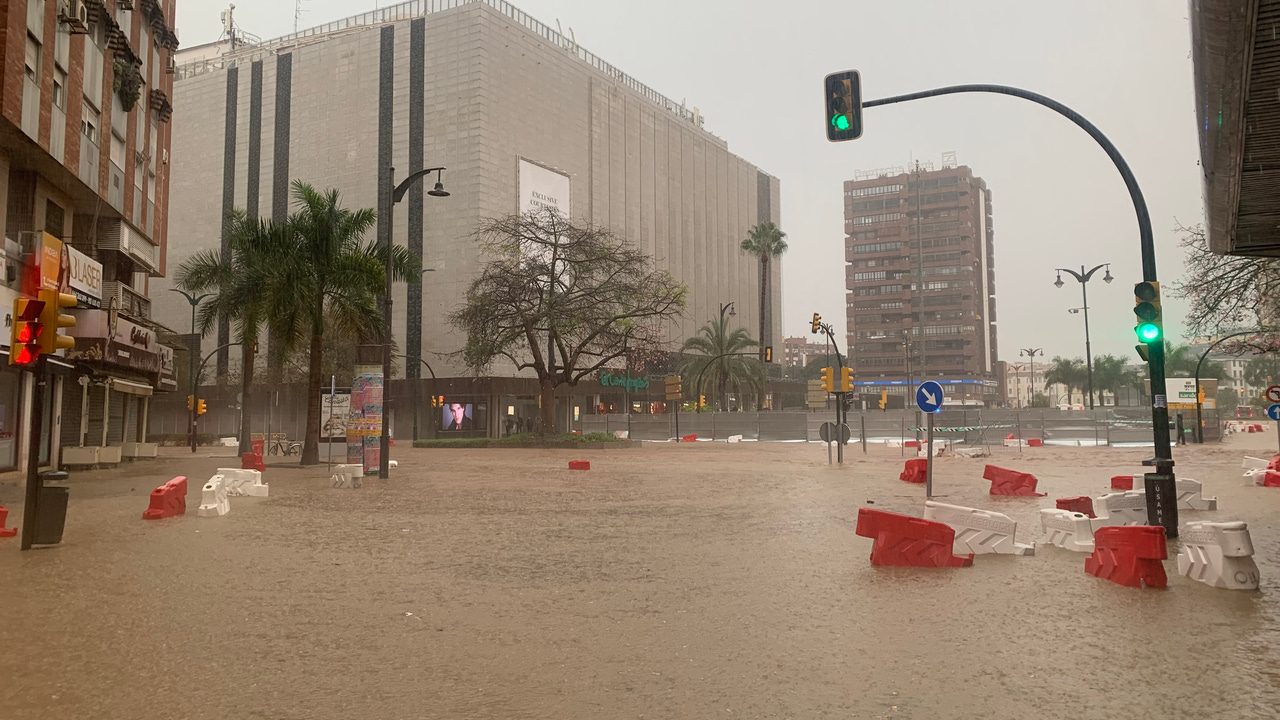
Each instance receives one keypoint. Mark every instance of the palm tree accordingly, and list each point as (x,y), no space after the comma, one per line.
(1068,372)
(233,283)
(766,242)
(713,341)
(321,271)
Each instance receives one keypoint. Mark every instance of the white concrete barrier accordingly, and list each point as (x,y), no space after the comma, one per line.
(622,434)
(1218,554)
(734,439)
(1068,530)
(348,474)
(1255,468)
(981,532)
(973,452)
(213,498)
(940,446)
(1011,442)
(229,442)
(1120,508)
(243,482)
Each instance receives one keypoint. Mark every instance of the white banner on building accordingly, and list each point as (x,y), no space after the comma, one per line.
(541,187)
(86,278)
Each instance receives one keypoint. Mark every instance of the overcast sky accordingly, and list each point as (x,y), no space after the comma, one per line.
(755,70)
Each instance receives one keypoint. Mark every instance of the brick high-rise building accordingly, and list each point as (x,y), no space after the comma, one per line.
(84,170)
(921,282)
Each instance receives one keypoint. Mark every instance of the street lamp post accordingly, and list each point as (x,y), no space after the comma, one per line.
(193,352)
(1083,278)
(1031,352)
(724,308)
(395,193)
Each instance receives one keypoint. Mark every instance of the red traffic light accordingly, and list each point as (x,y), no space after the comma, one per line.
(28,332)
(25,356)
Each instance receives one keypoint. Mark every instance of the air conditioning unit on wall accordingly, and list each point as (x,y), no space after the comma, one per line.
(75,15)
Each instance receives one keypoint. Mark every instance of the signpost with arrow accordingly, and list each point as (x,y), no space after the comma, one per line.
(929,399)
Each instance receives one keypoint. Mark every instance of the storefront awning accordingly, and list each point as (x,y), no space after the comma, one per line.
(131,388)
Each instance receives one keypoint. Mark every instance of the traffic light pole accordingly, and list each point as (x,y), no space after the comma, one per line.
(31,499)
(1162,508)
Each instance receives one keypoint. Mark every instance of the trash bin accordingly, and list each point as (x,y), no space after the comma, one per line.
(51,509)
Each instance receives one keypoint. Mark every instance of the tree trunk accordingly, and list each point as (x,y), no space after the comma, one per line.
(246,397)
(764,307)
(549,414)
(311,442)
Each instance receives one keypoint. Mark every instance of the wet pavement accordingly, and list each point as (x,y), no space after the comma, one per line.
(669,581)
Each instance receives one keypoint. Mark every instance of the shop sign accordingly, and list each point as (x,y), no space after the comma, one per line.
(86,278)
(624,381)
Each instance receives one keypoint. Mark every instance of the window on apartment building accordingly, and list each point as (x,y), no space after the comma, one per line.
(54,219)
(89,123)
(60,88)
(33,59)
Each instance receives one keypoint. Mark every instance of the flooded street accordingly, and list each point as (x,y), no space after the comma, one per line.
(690,581)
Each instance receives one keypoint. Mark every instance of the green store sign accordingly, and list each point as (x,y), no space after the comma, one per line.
(623,381)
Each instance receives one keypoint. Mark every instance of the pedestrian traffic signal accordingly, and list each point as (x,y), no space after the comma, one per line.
(25,332)
(51,316)
(191,402)
(201,408)
(1146,305)
(816,325)
(844,106)
(828,379)
(846,379)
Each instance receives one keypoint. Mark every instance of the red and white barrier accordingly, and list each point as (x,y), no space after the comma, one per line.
(1129,556)
(243,482)
(4,517)
(1125,482)
(1218,554)
(978,532)
(905,541)
(1081,504)
(168,500)
(1068,530)
(213,498)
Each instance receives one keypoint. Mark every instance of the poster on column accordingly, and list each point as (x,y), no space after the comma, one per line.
(366,415)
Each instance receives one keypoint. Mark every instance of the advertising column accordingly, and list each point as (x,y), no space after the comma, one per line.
(365,426)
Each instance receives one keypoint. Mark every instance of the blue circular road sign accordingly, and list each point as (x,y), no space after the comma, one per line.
(929,396)
(1273,411)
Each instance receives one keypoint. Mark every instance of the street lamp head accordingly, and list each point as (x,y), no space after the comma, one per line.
(1058,282)
(438,190)
(1108,277)
(733,312)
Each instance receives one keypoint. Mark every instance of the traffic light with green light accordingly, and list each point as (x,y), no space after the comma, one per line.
(844,106)
(1146,306)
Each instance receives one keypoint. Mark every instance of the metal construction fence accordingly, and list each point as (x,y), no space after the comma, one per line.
(1129,427)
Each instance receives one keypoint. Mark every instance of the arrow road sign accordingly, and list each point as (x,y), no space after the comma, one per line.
(1273,412)
(929,397)
(1273,394)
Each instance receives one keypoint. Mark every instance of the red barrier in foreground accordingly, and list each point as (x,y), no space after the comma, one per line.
(1271,479)
(4,517)
(905,541)
(1121,482)
(168,500)
(579,464)
(1010,482)
(915,470)
(693,437)
(252,461)
(1081,504)
(1129,555)
(1035,442)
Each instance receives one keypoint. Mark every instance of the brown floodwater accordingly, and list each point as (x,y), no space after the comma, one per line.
(690,581)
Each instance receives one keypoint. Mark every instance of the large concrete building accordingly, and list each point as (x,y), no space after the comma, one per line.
(84,152)
(512,108)
(920,274)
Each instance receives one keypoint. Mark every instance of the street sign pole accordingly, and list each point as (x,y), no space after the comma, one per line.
(839,445)
(1273,412)
(928,476)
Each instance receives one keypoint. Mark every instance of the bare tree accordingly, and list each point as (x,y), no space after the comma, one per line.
(563,300)
(1226,292)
